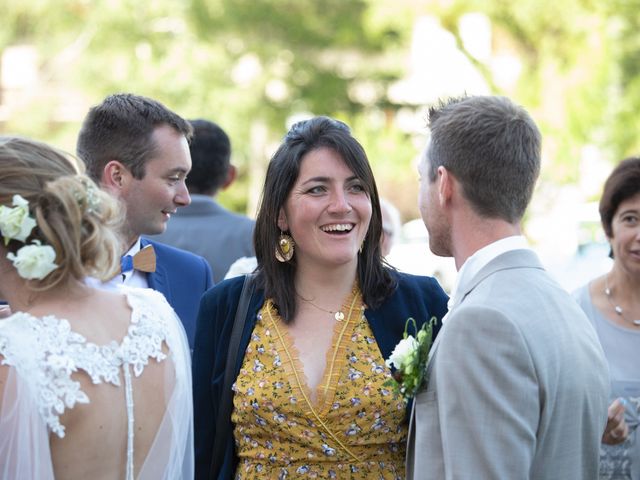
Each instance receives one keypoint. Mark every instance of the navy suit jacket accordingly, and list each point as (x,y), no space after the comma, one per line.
(414,296)
(182,278)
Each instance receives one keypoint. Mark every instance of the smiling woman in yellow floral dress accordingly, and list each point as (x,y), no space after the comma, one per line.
(310,399)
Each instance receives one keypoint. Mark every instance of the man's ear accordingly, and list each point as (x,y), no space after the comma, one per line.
(115,176)
(445,185)
(231,177)
(282,221)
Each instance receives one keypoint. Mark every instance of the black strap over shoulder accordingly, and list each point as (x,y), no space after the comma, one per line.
(223,422)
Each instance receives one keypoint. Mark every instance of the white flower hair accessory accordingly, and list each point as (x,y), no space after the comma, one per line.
(15,223)
(32,261)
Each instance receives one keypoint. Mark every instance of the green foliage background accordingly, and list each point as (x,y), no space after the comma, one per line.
(250,65)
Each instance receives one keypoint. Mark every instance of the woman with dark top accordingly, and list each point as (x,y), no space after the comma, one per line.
(310,395)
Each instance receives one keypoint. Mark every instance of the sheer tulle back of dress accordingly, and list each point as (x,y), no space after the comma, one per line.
(24,438)
(25,448)
(171,454)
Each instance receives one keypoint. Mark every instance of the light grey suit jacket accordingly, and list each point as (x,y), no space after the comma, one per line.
(207,229)
(517,383)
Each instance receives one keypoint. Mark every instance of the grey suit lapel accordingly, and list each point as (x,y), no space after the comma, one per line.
(521,258)
(411,439)
(411,435)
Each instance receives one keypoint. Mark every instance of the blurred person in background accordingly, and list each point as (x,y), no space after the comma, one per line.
(309,394)
(391,226)
(137,149)
(94,384)
(204,227)
(612,303)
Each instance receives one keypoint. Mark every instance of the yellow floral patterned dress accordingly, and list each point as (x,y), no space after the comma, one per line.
(356,428)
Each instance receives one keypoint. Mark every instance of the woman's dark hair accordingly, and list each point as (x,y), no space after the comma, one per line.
(277,279)
(623,183)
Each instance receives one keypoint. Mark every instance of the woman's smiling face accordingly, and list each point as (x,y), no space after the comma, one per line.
(327,211)
(625,241)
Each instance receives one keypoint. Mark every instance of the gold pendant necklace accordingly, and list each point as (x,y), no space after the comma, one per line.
(616,308)
(338,315)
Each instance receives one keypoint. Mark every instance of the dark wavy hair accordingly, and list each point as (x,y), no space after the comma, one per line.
(277,278)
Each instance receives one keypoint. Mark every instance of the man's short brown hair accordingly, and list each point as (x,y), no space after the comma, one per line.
(121,128)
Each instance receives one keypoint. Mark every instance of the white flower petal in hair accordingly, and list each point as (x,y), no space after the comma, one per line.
(34,261)
(15,223)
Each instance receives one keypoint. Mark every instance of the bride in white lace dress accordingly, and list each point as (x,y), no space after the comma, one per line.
(93,384)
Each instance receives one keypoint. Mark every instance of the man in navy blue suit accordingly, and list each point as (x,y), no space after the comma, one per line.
(137,149)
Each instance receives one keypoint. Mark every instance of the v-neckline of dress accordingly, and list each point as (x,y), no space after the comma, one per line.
(336,357)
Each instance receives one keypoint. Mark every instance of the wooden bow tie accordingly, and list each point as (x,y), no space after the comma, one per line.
(143,261)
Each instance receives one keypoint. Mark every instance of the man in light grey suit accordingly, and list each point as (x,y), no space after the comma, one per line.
(205,227)
(517,382)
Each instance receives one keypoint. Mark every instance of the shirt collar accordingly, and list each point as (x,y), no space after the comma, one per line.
(481,258)
(135,248)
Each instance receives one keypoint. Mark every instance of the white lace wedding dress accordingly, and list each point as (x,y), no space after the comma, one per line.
(43,358)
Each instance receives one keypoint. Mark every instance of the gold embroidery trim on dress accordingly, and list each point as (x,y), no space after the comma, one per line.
(337,354)
(303,386)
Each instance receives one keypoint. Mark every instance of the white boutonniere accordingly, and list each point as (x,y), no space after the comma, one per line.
(409,359)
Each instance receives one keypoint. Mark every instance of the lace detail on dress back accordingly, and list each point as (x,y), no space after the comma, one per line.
(45,352)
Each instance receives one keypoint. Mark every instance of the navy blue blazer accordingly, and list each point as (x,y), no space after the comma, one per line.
(414,296)
(182,278)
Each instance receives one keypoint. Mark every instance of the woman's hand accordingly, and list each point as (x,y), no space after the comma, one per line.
(617,429)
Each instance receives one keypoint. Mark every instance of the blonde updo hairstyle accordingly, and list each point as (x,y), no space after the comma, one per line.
(73,216)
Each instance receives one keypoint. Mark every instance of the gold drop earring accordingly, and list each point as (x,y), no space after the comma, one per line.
(285,248)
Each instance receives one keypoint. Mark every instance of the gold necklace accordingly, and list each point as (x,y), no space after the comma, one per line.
(338,315)
(616,308)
